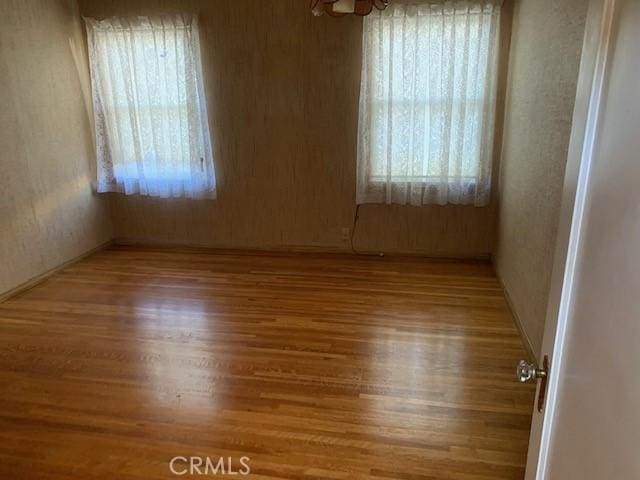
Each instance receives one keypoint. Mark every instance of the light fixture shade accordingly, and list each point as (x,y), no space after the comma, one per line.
(338,8)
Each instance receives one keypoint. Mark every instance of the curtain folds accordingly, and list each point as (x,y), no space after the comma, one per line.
(152,131)
(427,103)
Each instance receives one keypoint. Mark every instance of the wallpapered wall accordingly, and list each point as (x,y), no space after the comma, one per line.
(543,72)
(48,214)
(282,88)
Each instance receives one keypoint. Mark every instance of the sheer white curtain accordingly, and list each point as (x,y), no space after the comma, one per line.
(427,103)
(152,132)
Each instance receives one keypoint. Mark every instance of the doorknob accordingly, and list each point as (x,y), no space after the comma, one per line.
(529,371)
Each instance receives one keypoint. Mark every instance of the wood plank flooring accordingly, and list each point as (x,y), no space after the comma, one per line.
(312,366)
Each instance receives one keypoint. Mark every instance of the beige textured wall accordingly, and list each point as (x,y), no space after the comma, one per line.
(48,214)
(282,88)
(546,43)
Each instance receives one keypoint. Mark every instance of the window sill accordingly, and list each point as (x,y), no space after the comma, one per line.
(426,181)
(174,188)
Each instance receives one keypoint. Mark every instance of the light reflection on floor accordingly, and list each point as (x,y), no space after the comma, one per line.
(174,365)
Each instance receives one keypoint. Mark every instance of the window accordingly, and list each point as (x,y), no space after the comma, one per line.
(152,132)
(427,103)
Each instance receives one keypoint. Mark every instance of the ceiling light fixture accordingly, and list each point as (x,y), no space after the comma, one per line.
(338,8)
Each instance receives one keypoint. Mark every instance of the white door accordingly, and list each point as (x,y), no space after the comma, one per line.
(590,426)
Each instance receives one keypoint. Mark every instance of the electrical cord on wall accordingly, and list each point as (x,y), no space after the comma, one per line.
(356,216)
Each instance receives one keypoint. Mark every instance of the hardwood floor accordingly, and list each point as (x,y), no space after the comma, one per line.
(313,366)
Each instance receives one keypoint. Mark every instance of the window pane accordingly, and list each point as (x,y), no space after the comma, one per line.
(151,122)
(427,102)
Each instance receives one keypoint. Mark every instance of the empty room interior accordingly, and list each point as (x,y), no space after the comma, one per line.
(279,239)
